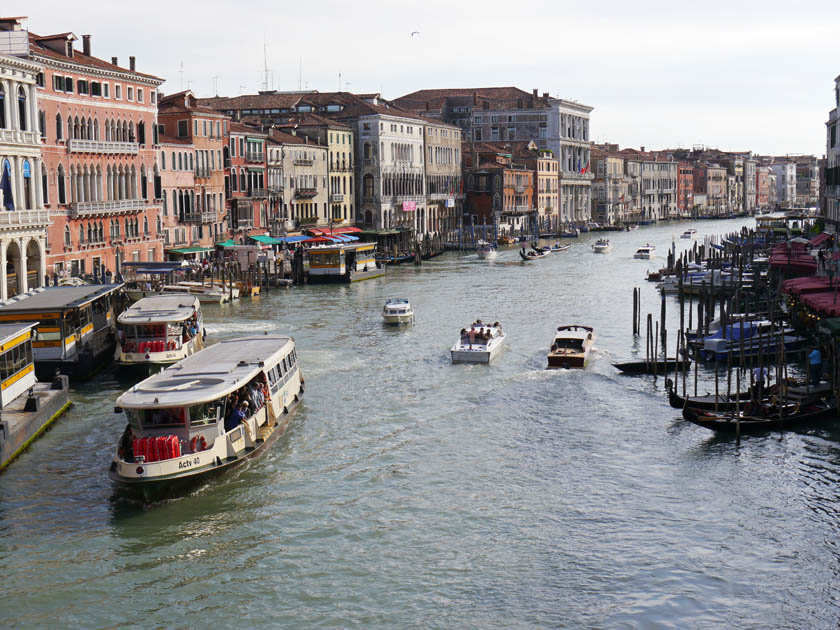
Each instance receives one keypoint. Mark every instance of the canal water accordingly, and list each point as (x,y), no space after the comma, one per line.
(409,492)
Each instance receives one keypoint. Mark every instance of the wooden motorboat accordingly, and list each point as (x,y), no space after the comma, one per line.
(761,417)
(485,250)
(571,347)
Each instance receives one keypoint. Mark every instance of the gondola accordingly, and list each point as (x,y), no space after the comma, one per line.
(534,254)
(707,403)
(769,420)
(391,260)
(647,367)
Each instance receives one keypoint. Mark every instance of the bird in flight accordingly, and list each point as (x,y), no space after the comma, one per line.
(413,33)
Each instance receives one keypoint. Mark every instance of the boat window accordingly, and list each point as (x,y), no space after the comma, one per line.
(282,367)
(15,359)
(84,316)
(47,333)
(206,413)
(156,418)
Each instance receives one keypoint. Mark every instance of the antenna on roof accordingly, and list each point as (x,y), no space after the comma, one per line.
(181,72)
(265,65)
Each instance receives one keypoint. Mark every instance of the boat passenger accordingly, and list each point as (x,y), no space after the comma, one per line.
(237,416)
(126,441)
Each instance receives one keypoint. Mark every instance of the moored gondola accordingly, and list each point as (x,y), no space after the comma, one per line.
(647,367)
(760,417)
(712,402)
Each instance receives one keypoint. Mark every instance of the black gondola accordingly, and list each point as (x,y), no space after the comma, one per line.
(707,402)
(763,418)
(647,367)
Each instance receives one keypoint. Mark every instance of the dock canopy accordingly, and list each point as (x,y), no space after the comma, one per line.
(334,231)
(189,250)
(57,298)
(152,267)
(820,239)
(267,240)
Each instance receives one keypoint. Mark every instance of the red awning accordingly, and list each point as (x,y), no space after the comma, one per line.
(820,239)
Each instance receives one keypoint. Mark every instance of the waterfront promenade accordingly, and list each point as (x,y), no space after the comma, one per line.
(409,492)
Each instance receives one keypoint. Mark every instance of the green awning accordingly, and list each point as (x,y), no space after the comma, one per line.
(267,240)
(830,326)
(189,250)
(228,243)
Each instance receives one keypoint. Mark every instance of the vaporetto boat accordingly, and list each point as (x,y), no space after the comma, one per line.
(161,330)
(176,435)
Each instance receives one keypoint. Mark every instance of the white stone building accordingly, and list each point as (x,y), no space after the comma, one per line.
(785,183)
(23,219)
(568,137)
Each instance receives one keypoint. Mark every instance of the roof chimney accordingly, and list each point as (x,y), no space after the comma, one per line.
(131,63)
(115,61)
(536,92)
(86,44)
(643,149)
(545,94)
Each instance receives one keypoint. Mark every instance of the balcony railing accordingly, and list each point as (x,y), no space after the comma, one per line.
(305,193)
(275,190)
(244,223)
(341,168)
(19,137)
(368,199)
(202,171)
(336,198)
(24,217)
(519,190)
(90,208)
(255,156)
(304,162)
(191,217)
(258,192)
(100,146)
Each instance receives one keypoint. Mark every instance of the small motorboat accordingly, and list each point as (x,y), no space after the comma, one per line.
(632,226)
(479,343)
(601,246)
(505,240)
(397,311)
(557,247)
(485,250)
(691,233)
(533,254)
(570,233)
(646,252)
(571,346)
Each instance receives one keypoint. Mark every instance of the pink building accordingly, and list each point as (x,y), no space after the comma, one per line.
(98,128)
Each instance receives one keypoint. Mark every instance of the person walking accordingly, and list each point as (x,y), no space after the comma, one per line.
(815,365)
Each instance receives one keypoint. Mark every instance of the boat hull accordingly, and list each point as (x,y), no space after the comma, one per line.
(479,354)
(751,424)
(155,490)
(398,319)
(569,361)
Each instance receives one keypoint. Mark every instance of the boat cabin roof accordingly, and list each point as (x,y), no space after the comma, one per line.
(209,374)
(396,302)
(339,247)
(57,298)
(9,332)
(157,309)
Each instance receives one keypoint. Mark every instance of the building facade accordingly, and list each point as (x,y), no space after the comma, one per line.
(99,134)
(444,195)
(785,184)
(304,192)
(832,164)
(246,190)
(23,219)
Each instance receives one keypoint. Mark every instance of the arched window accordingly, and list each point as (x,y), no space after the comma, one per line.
(59,130)
(143,183)
(180,161)
(234,180)
(2,108)
(158,225)
(62,194)
(67,236)
(145,226)
(22,113)
(242,185)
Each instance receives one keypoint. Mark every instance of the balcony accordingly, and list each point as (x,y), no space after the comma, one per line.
(336,198)
(190,217)
(368,199)
(341,168)
(256,157)
(304,162)
(368,161)
(202,171)
(258,192)
(520,209)
(305,193)
(275,190)
(21,218)
(100,146)
(17,136)
(93,208)
(519,190)
(244,223)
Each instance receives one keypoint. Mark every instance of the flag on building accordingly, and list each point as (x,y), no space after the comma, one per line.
(6,187)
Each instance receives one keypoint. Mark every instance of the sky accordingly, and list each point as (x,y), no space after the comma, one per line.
(736,75)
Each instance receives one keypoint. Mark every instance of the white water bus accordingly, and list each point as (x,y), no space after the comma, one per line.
(160,330)
(176,435)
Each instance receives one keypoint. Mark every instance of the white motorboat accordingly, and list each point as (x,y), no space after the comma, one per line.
(397,311)
(160,329)
(571,347)
(691,233)
(479,343)
(206,293)
(601,246)
(485,250)
(182,428)
(646,252)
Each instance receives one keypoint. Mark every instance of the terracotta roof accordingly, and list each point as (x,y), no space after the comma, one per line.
(305,119)
(236,127)
(173,140)
(281,137)
(497,98)
(175,103)
(79,58)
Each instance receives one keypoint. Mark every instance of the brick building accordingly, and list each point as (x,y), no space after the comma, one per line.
(98,129)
